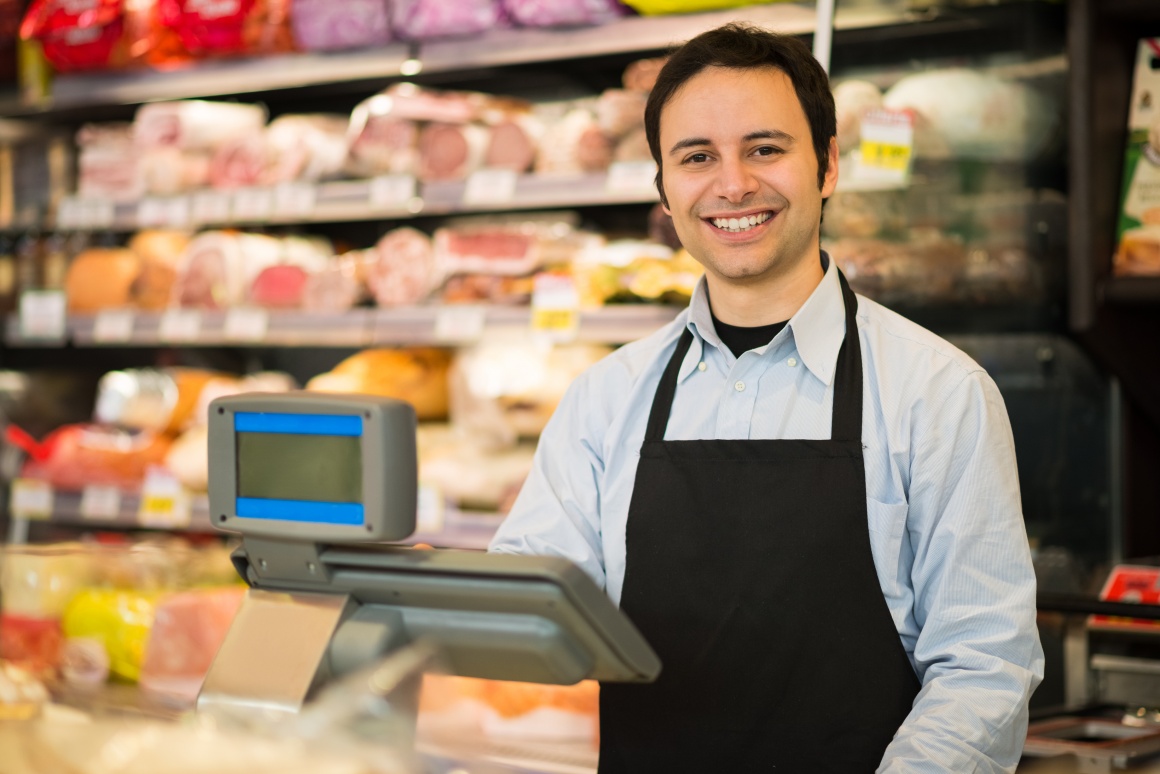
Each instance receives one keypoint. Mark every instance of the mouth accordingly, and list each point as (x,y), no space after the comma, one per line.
(741,224)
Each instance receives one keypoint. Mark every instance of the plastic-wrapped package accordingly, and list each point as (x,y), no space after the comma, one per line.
(107,165)
(101,278)
(195,124)
(79,34)
(579,145)
(119,619)
(417,375)
(563,13)
(426,19)
(513,142)
(160,251)
(160,400)
(402,268)
(36,584)
(307,147)
(75,456)
(512,246)
(451,151)
(230,27)
(338,287)
(620,111)
(852,100)
(219,267)
(323,25)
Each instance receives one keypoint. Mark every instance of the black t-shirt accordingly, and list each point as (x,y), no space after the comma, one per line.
(740,339)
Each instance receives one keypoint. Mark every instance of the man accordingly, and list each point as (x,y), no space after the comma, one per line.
(808,505)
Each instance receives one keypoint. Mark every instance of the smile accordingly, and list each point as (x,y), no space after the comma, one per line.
(736,225)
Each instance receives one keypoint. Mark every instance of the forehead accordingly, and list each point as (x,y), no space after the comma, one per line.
(719,102)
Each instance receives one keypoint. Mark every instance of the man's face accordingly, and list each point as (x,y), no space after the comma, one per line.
(740,174)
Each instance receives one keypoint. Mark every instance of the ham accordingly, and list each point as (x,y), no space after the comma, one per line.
(240,163)
(336,288)
(578,146)
(451,151)
(513,143)
(169,171)
(107,163)
(279,287)
(403,268)
(324,25)
(195,124)
(218,267)
(307,147)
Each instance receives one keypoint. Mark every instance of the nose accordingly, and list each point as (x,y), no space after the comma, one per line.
(735,181)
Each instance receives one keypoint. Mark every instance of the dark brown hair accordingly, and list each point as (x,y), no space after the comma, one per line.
(744,47)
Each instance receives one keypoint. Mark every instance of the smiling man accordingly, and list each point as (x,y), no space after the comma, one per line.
(807,504)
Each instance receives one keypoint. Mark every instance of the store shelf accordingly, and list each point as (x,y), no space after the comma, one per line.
(492,49)
(1132,290)
(430,325)
(388,197)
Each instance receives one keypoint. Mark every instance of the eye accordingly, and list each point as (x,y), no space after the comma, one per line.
(697,158)
(766,150)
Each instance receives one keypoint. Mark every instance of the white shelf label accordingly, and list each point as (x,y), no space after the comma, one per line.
(633,177)
(113,325)
(256,204)
(460,324)
(180,325)
(70,214)
(101,503)
(43,315)
(555,306)
(97,213)
(429,518)
(152,212)
(30,499)
(179,212)
(164,503)
(887,146)
(244,324)
(490,186)
(392,192)
(295,200)
(211,207)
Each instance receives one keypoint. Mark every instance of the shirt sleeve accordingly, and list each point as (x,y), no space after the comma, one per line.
(978,653)
(557,512)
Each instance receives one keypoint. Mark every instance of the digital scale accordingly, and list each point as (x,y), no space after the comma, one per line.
(315,484)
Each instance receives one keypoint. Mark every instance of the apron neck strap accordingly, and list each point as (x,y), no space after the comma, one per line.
(846,424)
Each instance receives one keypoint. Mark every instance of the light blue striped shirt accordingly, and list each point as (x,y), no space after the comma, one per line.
(942,497)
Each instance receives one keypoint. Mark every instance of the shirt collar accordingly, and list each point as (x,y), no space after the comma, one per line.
(818,328)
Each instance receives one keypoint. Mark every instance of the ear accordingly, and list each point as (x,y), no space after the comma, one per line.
(831,180)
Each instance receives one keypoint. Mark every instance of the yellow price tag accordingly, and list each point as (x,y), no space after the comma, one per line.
(885,156)
(164,504)
(555,320)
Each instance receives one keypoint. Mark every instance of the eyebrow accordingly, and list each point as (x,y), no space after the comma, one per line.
(764,134)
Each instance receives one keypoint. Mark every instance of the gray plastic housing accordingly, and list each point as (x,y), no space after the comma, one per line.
(388,457)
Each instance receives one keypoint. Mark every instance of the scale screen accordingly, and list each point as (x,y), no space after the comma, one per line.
(299,467)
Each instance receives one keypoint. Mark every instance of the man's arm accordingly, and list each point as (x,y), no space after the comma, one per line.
(557,512)
(978,651)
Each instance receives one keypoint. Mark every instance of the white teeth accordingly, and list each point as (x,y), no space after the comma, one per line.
(741,224)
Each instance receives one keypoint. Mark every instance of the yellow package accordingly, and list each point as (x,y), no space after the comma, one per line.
(120,619)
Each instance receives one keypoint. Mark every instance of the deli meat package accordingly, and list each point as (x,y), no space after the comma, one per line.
(107,166)
(1138,226)
(563,13)
(402,268)
(325,25)
(291,148)
(425,19)
(78,34)
(230,27)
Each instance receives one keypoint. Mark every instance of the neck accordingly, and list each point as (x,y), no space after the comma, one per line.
(767,301)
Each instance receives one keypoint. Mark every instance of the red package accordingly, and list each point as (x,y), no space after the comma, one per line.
(230,27)
(77,34)
(31,643)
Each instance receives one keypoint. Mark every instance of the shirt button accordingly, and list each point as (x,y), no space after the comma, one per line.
(701,366)
(792,362)
(739,386)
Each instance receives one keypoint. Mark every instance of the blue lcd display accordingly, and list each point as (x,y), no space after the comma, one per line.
(299,467)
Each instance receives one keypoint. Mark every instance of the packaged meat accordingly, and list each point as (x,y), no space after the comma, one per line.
(188,629)
(620,111)
(578,146)
(852,100)
(148,40)
(281,286)
(306,147)
(514,142)
(563,13)
(218,267)
(337,287)
(417,375)
(488,289)
(641,75)
(483,247)
(107,163)
(101,278)
(188,458)
(171,171)
(75,456)
(426,19)
(36,584)
(242,162)
(158,400)
(77,34)
(402,268)
(1138,216)
(451,151)
(322,25)
(963,113)
(230,27)
(160,251)
(195,124)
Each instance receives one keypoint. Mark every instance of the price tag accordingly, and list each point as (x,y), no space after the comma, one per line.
(887,145)
(178,212)
(30,499)
(180,325)
(490,186)
(152,212)
(246,324)
(1130,583)
(631,177)
(113,325)
(211,207)
(43,315)
(70,214)
(294,200)
(429,517)
(101,502)
(253,204)
(164,503)
(555,306)
(392,192)
(98,213)
(460,324)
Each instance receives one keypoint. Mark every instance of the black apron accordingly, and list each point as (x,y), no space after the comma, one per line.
(749,571)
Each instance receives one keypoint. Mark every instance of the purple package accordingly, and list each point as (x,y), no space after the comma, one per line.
(326,25)
(563,13)
(424,19)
